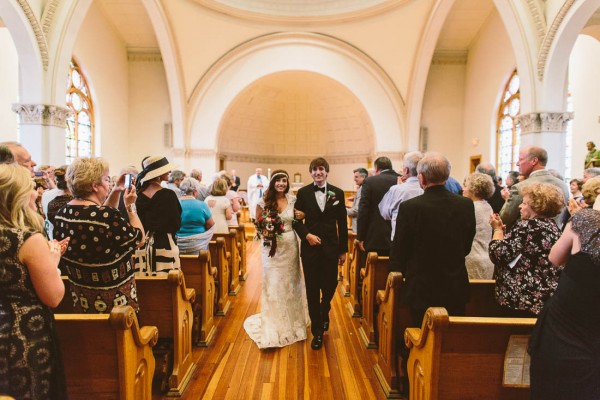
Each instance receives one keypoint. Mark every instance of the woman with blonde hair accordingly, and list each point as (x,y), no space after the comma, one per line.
(525,278)
(30,284)
(220,205)
(98,259)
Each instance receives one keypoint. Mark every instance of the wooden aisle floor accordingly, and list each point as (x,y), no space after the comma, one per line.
(233,367)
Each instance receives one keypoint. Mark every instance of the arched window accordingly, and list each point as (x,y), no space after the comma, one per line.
(508,129)
(80,126)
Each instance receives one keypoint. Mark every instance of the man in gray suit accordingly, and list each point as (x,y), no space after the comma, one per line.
(532,165)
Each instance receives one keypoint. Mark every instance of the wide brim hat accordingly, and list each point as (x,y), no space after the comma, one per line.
(155,166)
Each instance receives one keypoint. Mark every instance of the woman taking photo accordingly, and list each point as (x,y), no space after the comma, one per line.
(98,259)
(525,278)
(30,283)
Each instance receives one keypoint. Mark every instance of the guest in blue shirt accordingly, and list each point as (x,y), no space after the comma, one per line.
(197,223)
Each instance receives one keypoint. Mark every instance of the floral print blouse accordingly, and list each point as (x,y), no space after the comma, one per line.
(532,279)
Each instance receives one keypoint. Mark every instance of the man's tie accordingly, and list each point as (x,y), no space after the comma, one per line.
(260,188)
(319,189)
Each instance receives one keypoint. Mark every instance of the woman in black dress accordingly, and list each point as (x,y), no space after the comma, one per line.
(565,343)
(30,359)
(160,212)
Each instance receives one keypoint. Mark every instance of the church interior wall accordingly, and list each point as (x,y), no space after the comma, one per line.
(103,57)
(490,63)
(584,79)
(9,82)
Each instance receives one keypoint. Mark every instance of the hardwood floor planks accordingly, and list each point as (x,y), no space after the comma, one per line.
(233,367)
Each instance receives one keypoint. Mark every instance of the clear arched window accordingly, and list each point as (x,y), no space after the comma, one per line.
(80,126)
(508,128)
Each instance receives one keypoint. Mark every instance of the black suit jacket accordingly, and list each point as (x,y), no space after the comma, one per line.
(375,231)
(330,225)
(237,184)
(434,233)
(496,201)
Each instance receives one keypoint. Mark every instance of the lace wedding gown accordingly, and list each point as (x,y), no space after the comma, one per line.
(283,318)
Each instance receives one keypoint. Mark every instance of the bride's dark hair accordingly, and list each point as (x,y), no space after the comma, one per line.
(269,197)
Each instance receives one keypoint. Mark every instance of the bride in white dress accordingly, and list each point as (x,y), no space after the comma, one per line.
(283,318)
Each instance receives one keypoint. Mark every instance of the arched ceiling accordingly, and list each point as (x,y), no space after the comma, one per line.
(293,115)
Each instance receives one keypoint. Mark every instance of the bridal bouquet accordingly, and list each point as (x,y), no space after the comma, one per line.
(269,227)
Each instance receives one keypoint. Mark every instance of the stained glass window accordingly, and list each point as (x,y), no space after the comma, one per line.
(508,128)
(80,126)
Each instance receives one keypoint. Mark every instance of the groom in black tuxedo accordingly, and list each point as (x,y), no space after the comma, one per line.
(324,236)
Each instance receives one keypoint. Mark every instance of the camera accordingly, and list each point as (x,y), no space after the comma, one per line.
(127,183)
(38,173)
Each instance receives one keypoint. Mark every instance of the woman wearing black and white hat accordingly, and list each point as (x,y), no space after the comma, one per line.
(160,212)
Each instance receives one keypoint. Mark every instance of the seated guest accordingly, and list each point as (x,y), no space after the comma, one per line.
(160,212)
(220,206)
(233,197)
(565,362)
(59,201)
(525,278)
(30,359)
(196,220)
(98,259)
(479,187)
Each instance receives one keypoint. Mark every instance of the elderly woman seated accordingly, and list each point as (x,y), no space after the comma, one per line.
(525,278)
(479,187)
(197,223)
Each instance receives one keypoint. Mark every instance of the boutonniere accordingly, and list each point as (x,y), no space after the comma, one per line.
(331,198)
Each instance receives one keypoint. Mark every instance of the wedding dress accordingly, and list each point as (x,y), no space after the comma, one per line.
(283,318)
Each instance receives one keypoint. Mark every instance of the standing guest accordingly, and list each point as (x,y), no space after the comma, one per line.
(565,362)
(408,188)
(196,220)
(6,156)
(220,205)
(373,231)
(48,175)
(591,193)
(479,187)
(589,173)
(324,244)
(453,186)
(575,186)
(532,165)
(98,259)
(359,177)
(30,284)
(51,194)
(235,185)
(434,233)
(525,278)
(160,213)
(495,201)
(21,155)
(175,179)
(500,180)
(257,184)
(129,170)
(59,201)
(512,178)
(234,198)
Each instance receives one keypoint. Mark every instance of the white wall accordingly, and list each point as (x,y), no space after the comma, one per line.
(9,94)
(103,59)
(584,79)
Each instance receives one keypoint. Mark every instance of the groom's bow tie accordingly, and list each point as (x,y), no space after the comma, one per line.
(319,189)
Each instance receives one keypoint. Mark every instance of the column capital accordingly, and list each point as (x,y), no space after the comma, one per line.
(544,122)
(42,114)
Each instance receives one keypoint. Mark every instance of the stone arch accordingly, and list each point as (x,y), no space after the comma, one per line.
(310,52)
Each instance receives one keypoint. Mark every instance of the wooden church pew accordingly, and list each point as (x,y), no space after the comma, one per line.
(166,302)
(233,259)
(374,276)
(218,256)
(107,356)
(242,242)
(462,358)
(200,274)
(345,286)
(357,259)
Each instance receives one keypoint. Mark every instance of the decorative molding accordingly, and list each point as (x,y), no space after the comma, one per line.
(144,55)
(270,159)
(549,38)
(48,16)
(37,30)
(392,155)
(539,20)
(544,122)
(450,57)
(42,114)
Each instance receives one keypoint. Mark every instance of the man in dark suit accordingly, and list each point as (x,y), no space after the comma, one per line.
(324,236)
(374,232)
(236,181)
(496,201)
(434,233)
